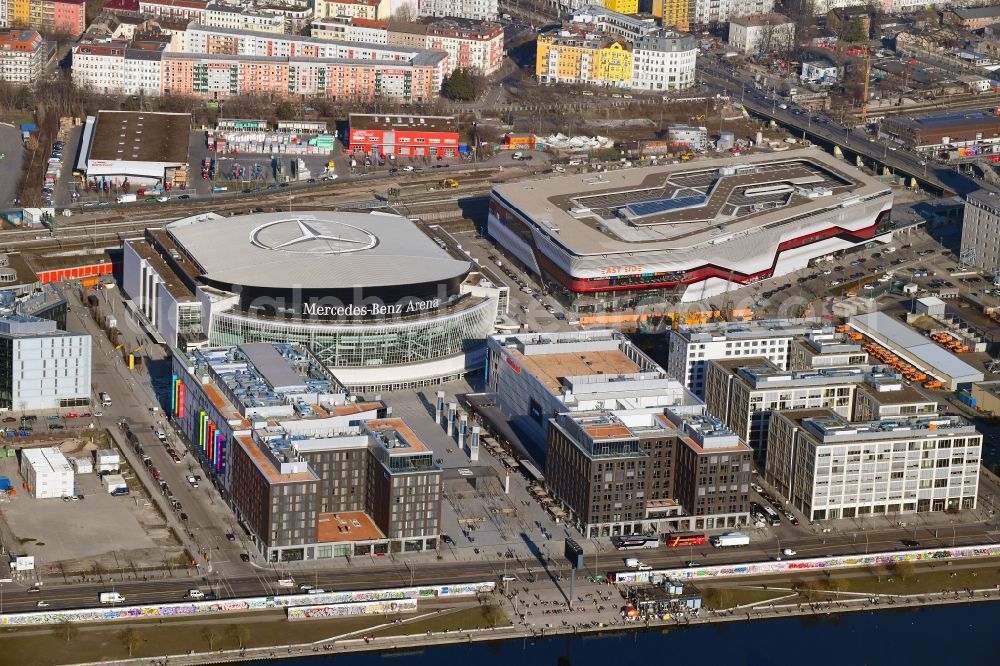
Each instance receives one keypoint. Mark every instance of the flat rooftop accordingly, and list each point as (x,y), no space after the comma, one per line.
(757,328)
(396,435)
(347,526)
(551,368)
(141,136)
(266,465)
(385,121)
(679,206)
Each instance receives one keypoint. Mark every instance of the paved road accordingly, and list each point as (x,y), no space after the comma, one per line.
(13,163)
(940,177)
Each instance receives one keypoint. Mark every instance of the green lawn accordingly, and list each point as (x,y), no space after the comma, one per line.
(49,646)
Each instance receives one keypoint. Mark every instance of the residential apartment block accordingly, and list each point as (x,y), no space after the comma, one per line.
(477,10)
(692,347)
(981,229)
(311,473)
(601,47)
(761,32)
(474,45)
(830,468)
(243,18)
(346,29)
(685,14)
(62,17)
(22,56)
(219,62)
(647,473)
(373,10)
(538,376)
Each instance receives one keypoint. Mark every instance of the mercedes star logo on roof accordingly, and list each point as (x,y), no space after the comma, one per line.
(311,236)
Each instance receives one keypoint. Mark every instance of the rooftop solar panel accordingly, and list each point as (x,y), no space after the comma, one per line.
(647,208)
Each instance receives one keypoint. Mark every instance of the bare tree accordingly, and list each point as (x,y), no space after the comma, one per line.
(403,14)
(211,636)
(130,639)
(67,630)
(239,633)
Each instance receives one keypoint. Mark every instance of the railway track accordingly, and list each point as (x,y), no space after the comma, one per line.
(415,195)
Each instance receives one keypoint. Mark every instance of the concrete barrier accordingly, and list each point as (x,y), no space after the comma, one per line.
(223,606)
(812,564)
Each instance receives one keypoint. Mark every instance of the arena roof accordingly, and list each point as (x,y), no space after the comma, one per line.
(141,136)
(679,206)
(315,250)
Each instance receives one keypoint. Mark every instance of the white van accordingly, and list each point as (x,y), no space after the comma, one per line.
(632,562)
(196,594)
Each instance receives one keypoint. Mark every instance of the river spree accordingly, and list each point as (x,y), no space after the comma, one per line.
(930,635)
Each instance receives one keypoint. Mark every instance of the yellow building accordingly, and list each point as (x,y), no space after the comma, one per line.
(19,13)
(674,13)
(575,56)
(622,6)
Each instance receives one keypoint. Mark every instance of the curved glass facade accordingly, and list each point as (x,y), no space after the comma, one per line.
(369,344)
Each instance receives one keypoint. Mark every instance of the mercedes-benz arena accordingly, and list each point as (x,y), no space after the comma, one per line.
(617,239)
(384,303)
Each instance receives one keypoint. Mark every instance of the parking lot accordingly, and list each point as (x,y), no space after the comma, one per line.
(113,531)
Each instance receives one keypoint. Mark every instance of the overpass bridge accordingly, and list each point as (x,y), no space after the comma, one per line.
(934,177)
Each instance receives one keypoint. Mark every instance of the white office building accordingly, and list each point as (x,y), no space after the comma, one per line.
(828,467)
(692,347)
(981,230)
(42,367)
(47,473)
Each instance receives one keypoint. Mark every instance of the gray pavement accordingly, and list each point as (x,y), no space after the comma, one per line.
(12,164)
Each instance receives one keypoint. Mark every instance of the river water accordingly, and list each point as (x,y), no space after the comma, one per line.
(955,634)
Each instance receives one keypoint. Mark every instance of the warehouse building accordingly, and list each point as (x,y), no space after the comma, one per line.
(404,136)
(141,148)
(47,473)
(919,351)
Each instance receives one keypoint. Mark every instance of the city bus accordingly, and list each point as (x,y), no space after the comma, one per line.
(678,540)
(772,516)
(636,542)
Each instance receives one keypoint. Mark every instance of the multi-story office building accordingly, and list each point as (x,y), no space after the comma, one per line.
(828,467)
(22,56)
(981,229)
(692,347)
(888,397)
(537,376)
(744,392)
(477,10)
(647,473)
(818,351)
(312,473)
(41,367)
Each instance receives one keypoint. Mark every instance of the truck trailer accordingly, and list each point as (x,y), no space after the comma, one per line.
(730,539)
